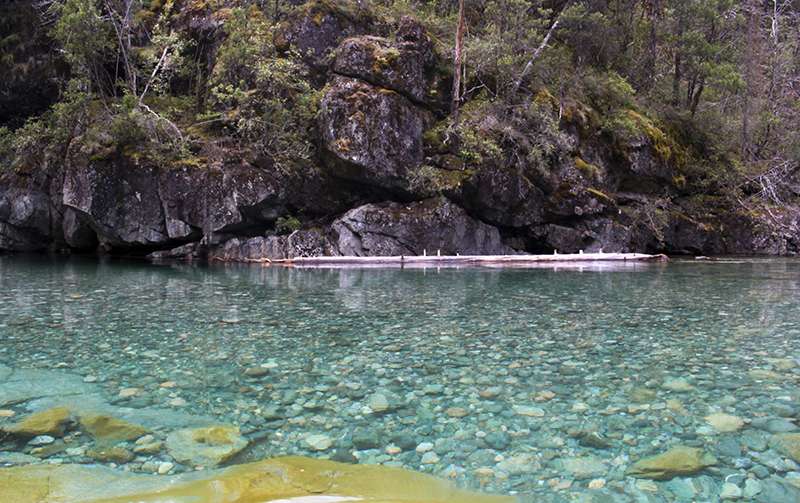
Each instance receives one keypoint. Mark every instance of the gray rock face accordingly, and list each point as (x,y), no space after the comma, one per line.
(298,244)
(504,197)
(398,229)
(218,200)
(119,201)
(371,135)
(407,64)
(25,219)
(135,205)
(644,169)
(78,233)
(129,206)
(316,28)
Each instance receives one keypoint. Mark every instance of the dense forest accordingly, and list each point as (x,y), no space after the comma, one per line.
(258,129)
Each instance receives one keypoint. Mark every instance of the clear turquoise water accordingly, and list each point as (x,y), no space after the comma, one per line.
(457,353)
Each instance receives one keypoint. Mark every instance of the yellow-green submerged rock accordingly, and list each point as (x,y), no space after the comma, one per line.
(208,447)
(110,454)
(282,478)
(110,429)
(49,422)
(787,444)
(725,423)
(679,460)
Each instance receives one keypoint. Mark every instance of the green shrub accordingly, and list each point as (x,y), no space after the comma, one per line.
(608,91)
(626,126)
(264,100)
(287,224)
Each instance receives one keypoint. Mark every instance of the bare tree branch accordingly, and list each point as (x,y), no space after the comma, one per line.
(538,51)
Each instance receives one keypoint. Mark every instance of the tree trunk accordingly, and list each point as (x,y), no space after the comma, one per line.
(676,75)
(696,98)
(539,49)
(752,13)
(654,8)
(458,63)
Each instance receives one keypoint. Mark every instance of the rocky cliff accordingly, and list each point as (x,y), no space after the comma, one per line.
(390,176)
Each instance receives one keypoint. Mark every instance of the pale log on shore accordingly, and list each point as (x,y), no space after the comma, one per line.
(470,260)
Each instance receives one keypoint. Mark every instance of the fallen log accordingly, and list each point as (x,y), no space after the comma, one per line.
(469,260)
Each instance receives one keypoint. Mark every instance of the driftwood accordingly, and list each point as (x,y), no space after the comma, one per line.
(470,260)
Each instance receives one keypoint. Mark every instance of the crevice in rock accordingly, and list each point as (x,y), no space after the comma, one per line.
(412,101)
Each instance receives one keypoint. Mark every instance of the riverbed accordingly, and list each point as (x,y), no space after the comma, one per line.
(547,383)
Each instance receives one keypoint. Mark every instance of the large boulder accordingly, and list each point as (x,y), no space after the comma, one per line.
(303,243)
(144,205)
(406,64)
(391,229)
(25,219)
(51,422)
(503,196)
(119,200)
(316,28)
(228,198)
(371,135)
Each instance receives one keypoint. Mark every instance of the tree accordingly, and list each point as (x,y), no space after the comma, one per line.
(458,63)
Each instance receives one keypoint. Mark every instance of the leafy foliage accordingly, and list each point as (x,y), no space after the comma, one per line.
(263,99)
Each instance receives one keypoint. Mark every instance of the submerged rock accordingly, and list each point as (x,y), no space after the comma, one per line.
(290,478)
(787,444)
(117,455)
(776,490)
(50,422)
(529,410)
(22,385)
(110,429)
(583,468)
(318,442)
(679,384)
(41,440)
(16,458)
(365,438)
(680,460)
(725,423)
(206,447)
